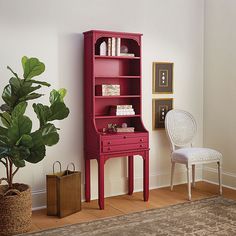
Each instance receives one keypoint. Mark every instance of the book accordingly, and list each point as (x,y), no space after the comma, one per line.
(103,49)
(107,90)
(122,106)
(121,110)
(117,46)
(113,46)
(127,129)
(109,47)
(127,54)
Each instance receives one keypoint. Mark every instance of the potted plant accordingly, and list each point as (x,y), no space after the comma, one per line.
(20,144)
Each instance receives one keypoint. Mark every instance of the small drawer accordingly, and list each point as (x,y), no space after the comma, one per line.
(124,147)
(124,140)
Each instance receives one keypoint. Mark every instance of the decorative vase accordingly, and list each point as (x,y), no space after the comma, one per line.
(15,209)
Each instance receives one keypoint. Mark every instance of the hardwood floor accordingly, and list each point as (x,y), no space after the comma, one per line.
(124,204)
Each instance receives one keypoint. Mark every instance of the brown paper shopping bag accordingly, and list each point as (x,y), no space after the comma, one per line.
(63,191)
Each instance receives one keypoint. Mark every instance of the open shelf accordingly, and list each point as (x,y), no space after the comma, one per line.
(117,57)
(118,77)
(121,96)
(111,117)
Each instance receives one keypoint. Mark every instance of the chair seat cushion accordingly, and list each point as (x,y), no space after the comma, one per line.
(195,155)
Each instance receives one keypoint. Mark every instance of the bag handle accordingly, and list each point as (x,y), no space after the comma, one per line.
(70,164)
(54,166)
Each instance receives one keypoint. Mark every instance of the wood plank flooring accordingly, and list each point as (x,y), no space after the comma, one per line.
(125,204)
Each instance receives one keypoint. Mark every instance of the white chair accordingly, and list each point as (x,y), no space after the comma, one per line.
(181,128)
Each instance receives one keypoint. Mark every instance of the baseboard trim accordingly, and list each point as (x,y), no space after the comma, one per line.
(210,176)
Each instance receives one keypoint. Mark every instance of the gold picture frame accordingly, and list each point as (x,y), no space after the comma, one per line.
(160,106)
(162,77)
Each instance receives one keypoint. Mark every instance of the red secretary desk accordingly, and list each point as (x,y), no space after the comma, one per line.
(124,70)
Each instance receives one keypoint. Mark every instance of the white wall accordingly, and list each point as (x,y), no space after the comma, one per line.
(52,31)
(220,86)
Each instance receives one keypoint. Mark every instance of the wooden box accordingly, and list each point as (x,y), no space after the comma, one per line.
(63,193)
(108,90)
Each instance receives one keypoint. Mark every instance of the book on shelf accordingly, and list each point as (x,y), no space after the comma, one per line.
(127,129)
(127,54)
(113,46)
(103,49)
(107,90)
(121,110)
(109,47)
(117,46)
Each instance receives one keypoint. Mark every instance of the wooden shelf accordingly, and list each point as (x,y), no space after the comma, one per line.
(112,117)
(118,77)
(116,57)
(121,96)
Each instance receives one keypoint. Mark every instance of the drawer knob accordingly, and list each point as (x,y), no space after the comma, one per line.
(109,142)
(141,145)
(141,140)
(125,137)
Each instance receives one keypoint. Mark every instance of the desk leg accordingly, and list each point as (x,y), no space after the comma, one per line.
(87,180)
(146,176)
(101,163)
(131,174)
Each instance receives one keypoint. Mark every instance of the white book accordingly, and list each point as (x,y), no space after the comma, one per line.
(109,47)
(103,49)
(117,46)
(113,46)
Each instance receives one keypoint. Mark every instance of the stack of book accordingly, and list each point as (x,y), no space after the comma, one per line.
(121,110)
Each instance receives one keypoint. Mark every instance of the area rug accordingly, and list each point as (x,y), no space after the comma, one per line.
(212,216)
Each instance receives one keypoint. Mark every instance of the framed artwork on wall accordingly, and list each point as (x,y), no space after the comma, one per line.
(162,77)
(160,107)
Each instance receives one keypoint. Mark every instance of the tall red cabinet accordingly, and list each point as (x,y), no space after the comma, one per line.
(126,72)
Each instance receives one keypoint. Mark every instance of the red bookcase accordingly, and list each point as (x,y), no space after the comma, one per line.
(125,71)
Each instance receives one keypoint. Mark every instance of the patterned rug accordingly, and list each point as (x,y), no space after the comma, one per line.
(211,217)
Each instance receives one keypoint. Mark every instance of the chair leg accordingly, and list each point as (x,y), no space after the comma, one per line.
(193,175)
(189,182)
(220,177)
(172,175)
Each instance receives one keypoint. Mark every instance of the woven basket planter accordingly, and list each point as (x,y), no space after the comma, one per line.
(15,210)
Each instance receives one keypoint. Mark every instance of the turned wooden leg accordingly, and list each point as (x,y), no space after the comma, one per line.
(146,176)
(220,177)
(131,174)
(193,175)
(87,180)
(189,183)
(101,163)
(172,175)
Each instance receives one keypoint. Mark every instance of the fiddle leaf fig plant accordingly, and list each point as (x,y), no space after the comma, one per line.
(18,142)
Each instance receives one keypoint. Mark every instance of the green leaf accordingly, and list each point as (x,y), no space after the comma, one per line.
(23,61)
(20,125)
(32,67)
(8,97)
(5,107)
(15,84)
(6,119)
(36,154)
(50,135)
(31,96)
(57,96)
(25,140)
(27,89)
(43,112)
(19,109)
(41,82)
(62,92)
(3,151)
(19,153)
(3,131)
(59,111)
(14,73)
(18,163)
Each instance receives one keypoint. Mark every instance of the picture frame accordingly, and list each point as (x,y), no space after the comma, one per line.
(160,108)
(163,77)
